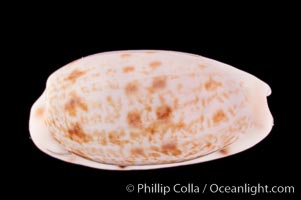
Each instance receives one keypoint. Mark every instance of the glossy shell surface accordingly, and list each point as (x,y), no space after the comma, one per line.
(149,109)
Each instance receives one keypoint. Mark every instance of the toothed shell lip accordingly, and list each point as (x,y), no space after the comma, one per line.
(45,142)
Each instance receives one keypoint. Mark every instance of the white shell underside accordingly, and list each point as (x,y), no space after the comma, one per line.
(258,91)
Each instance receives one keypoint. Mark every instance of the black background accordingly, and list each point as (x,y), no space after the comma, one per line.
(262,46)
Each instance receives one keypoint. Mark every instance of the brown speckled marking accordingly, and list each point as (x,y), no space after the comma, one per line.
(202,66)
(122,166)
(159,83)
(231,111)
(134,135)
(152,129)
(125,55)
(212,85)
(227,139)
(96,74)
(74,75)
(110,100)
(77,134)
(155,64)
(148,108)
(134,118)
(219,117)
(163,112)
(202,118)
(111,71)
(131,88)
(226,95)
(179,86)
(208,145)
(204,103)
(176,103)
(208,123)
(224,152)
(137,152)
(40,112)
(102,138)
(114,138)
(79,153)
(128,69)
(74,103)
(170,148)
(220,99)
(211,138)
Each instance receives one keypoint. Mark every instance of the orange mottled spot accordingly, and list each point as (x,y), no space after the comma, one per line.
(155,64)
(75,103)
(170,148)
(77,134)
(102,139)
(131,88)
(75,74)
(155,148)
(134,118)
(212,84)
(208,123)
(203,103)
(209,145)
(40,112)
(202,118)
(152,129)
(128,69)
(110,100)
(159,83)
(125,55)
(137,152)
(180,125)
(134,135)
(113,85)
(211,138)
(163,112)
(114,138)
(148,108)
(210,141)
(150,52)
(219,117)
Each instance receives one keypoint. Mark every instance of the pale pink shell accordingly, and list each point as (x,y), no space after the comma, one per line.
(149,109)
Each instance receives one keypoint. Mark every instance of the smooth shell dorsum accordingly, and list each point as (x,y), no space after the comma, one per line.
(149,109)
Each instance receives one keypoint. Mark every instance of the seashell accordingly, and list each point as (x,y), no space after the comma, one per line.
(134,110)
